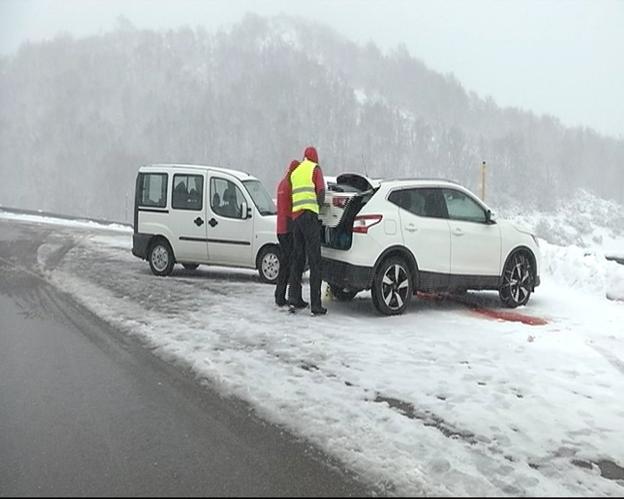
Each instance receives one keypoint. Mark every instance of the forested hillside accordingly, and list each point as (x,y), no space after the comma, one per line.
(78,117)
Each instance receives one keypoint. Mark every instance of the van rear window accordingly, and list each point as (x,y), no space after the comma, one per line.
(153,190)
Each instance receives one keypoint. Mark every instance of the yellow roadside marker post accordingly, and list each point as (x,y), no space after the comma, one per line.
(483,181)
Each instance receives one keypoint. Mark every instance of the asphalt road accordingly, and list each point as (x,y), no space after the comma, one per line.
(88,411)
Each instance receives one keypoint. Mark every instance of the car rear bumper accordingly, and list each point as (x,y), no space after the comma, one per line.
(140,244)
(346,275)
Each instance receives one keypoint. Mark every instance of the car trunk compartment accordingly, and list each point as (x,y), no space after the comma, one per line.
(344,199)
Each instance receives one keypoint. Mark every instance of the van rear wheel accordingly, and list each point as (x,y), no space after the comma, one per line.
(392,287)
(160,257)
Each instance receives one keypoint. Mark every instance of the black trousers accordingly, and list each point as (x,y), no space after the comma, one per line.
(285,258)
(307,243)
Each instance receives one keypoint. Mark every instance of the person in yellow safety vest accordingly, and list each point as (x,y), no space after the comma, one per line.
(308,193)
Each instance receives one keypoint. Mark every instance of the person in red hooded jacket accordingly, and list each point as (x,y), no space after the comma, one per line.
(284,234)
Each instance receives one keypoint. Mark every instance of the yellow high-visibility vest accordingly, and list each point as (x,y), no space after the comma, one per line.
(303,190)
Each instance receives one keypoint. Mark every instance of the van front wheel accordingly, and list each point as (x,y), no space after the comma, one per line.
(268,264)
(161,258)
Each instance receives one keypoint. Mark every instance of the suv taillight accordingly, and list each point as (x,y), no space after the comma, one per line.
(340,202)
(362,223)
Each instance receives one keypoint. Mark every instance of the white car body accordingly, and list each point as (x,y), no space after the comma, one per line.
(443,253)
(197,231)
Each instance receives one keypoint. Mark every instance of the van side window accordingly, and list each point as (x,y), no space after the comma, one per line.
(188,192)
(153,190)
(226,199)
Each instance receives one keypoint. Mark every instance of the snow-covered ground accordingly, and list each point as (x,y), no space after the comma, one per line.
(439,401)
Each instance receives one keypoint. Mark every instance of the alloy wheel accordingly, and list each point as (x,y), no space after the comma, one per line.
(395,286)
(517,281)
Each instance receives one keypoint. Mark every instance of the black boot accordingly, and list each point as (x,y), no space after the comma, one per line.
(299,304)
(319,311)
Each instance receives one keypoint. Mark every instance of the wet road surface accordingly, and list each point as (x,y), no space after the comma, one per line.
(86,410)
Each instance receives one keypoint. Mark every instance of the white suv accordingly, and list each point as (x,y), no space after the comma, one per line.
(193,215)
(396,237)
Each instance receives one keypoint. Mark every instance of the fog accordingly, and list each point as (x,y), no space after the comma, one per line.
(559,57)
(410,89)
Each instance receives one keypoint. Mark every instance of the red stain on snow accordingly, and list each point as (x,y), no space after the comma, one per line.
(507,315)
(490,313)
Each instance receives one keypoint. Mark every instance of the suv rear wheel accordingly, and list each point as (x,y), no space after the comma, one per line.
(392,287)
(161,258)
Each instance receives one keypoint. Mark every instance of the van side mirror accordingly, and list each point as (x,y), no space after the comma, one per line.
(490,217)
(244,210)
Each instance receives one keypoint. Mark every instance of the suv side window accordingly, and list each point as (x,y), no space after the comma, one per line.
(153,190)
(188,192)
(226,199)
(462,207)
(424,202)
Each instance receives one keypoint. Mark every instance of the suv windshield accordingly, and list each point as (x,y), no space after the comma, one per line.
(260,197)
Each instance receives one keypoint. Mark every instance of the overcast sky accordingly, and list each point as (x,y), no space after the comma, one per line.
(561,57)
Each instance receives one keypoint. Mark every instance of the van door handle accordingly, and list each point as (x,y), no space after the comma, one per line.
(198,221)
(212,222)
(411,228)
(458,232)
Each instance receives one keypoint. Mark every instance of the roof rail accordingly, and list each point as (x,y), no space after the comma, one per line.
(437,179)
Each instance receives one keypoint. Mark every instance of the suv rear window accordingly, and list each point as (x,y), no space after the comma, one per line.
(153,190)
(424,202)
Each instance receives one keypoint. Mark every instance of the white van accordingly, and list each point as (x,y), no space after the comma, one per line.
(192,215)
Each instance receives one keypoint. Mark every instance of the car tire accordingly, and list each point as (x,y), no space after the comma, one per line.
(342,294)
(392,287)
(161,258)
(517,280)
(268,264)
(190,266)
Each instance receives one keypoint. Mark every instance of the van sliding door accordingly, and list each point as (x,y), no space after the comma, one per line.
(188,217)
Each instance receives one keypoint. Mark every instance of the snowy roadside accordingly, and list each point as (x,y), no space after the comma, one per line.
(439,401)
(51,220)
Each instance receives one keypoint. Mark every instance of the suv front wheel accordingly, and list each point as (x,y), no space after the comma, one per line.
(517,282)
(392,287)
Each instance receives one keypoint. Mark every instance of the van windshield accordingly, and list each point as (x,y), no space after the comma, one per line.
(260,197)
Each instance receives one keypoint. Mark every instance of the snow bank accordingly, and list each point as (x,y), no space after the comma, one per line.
(49,220)
(580,269)
(575,241)
(585,221)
